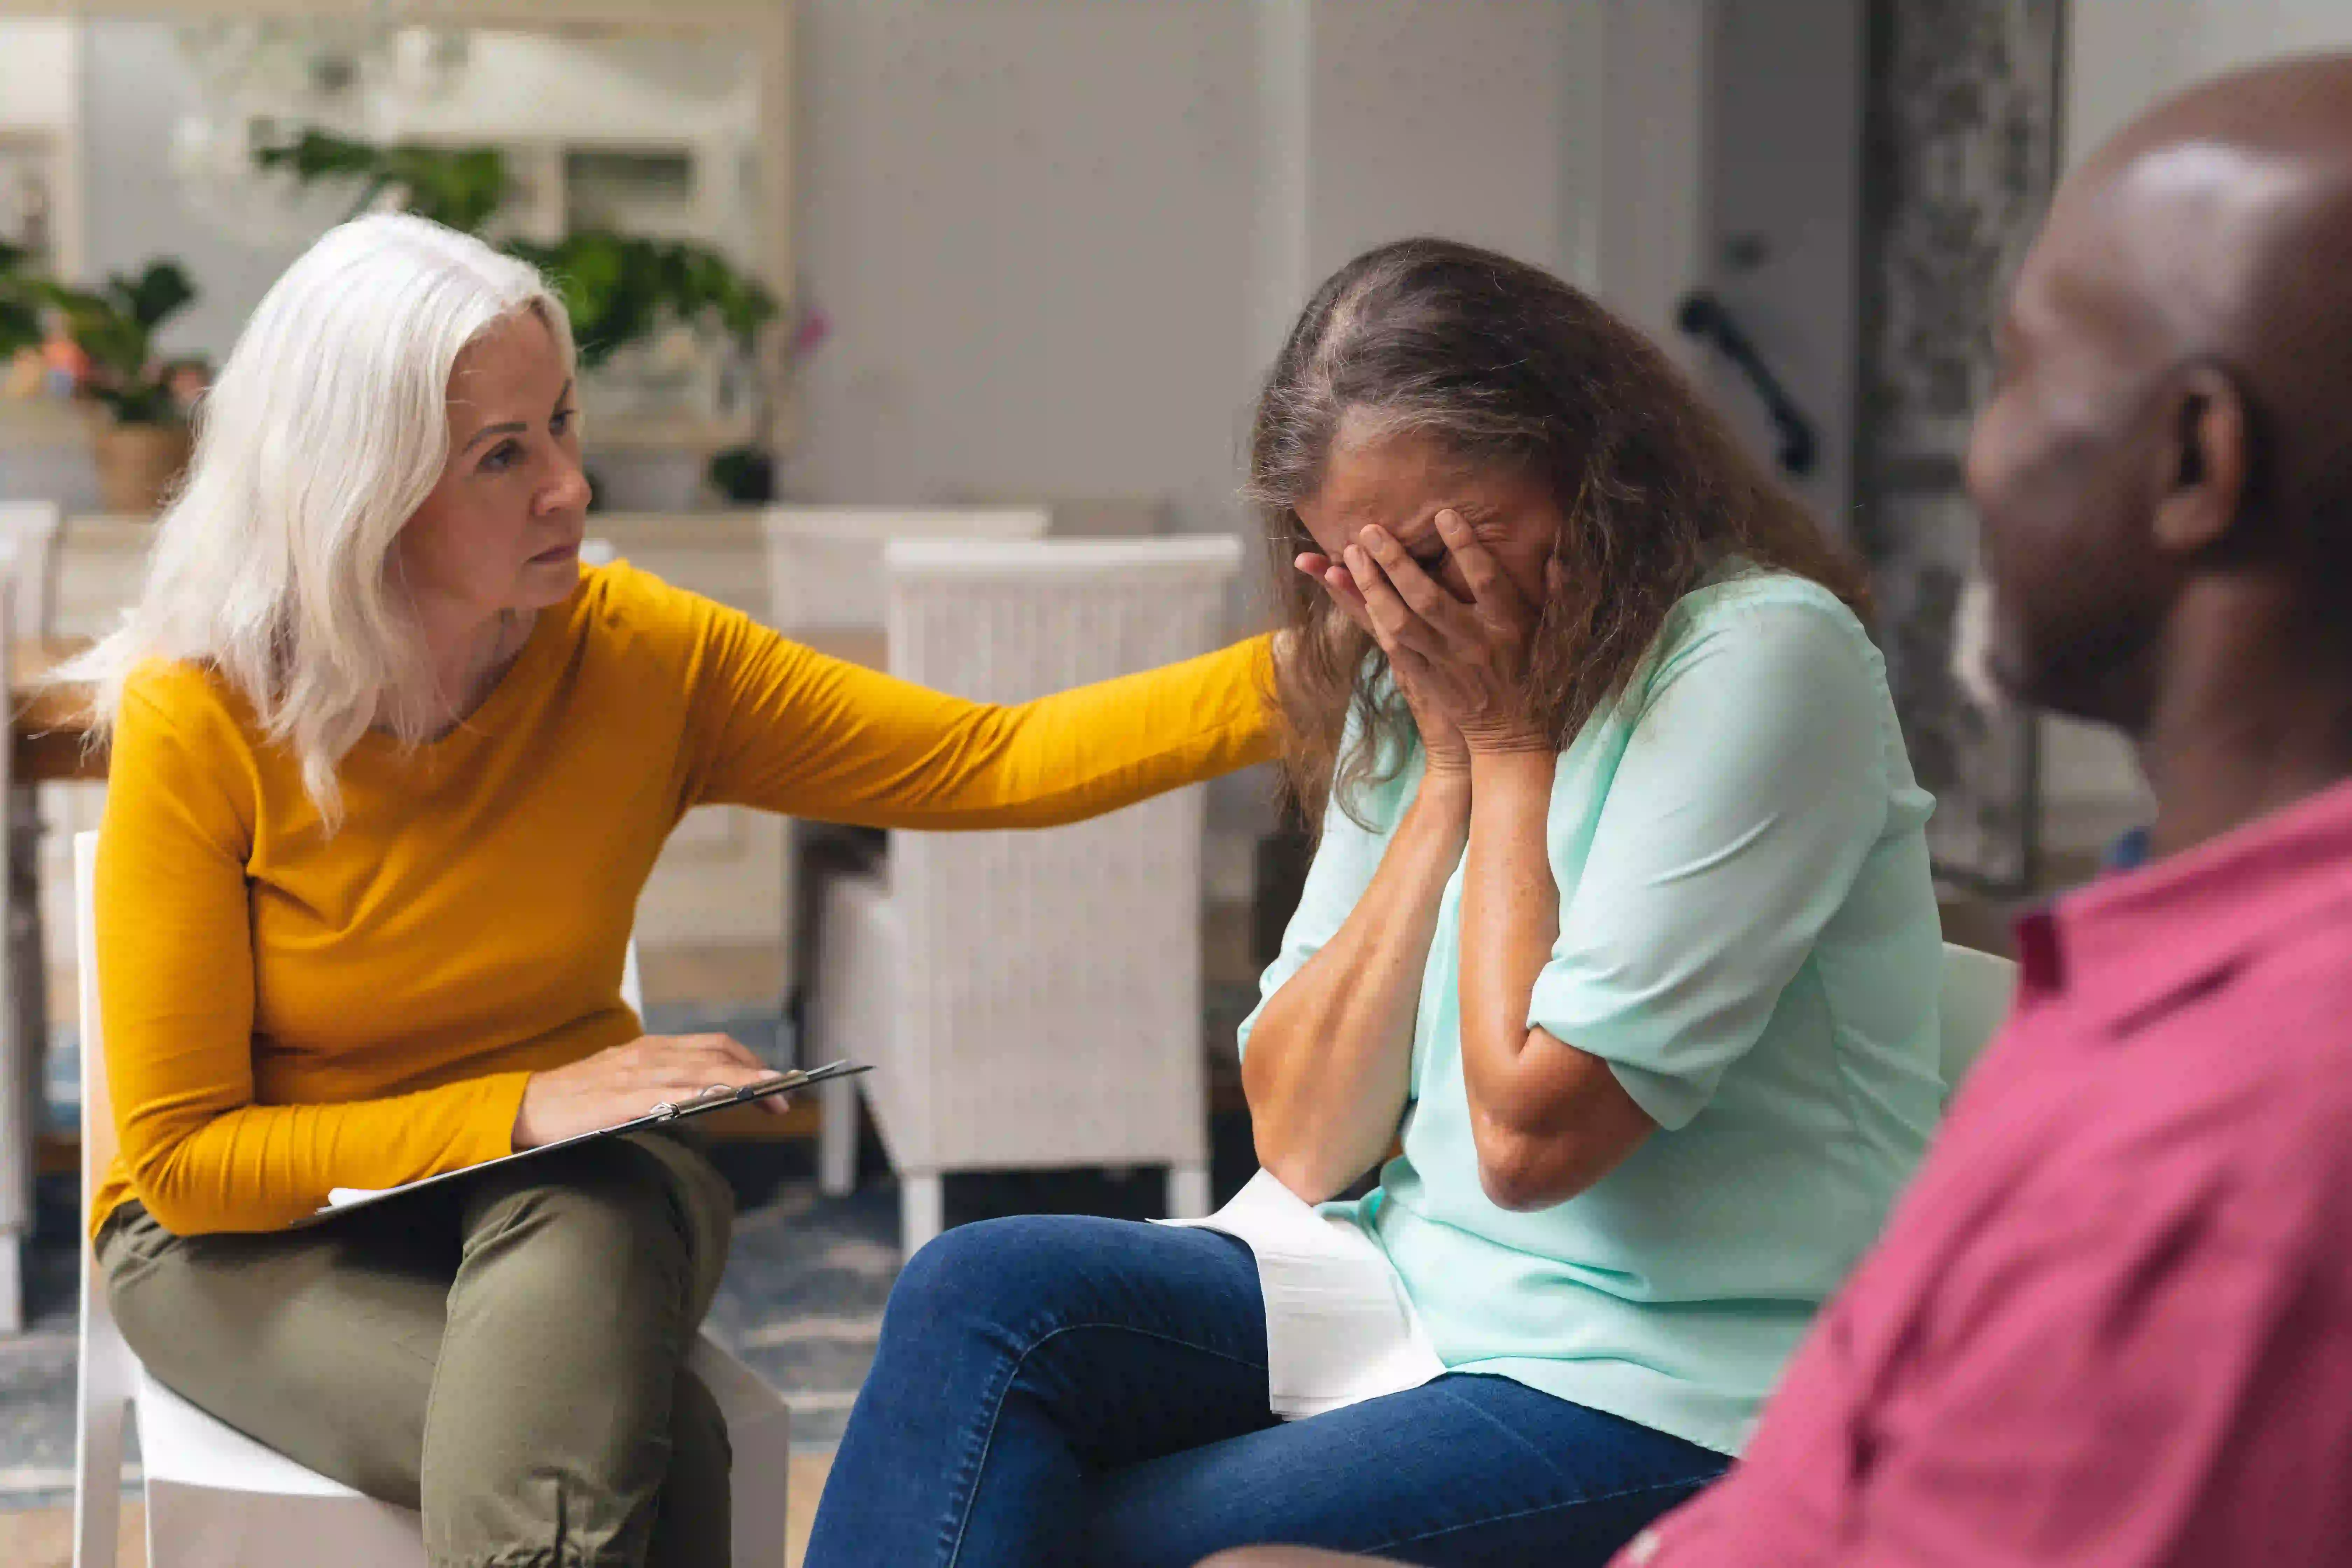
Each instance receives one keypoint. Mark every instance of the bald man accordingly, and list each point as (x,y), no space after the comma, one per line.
(2111,1324)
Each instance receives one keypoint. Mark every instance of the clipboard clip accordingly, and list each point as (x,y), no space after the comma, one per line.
(669,1111)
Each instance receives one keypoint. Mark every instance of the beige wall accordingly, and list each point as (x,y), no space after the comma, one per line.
(2123,55)
(1059,242)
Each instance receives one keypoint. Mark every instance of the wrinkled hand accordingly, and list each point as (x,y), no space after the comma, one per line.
(627,1082)
(1441,742)
(1461,665)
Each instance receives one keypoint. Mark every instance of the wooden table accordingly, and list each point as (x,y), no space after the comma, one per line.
(48,732)
(47,739)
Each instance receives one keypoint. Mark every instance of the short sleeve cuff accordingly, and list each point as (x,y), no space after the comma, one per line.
(1670,1102)
(1560,1008)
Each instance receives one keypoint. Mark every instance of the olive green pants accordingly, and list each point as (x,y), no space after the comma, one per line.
(506,1355)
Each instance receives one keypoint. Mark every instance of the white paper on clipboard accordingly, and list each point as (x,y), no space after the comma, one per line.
(341,1201)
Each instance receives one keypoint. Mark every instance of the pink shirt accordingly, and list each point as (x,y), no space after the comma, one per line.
(2110,1324)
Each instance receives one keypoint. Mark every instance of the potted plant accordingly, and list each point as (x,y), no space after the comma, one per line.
(20,305)
(462,187)
(623,291)
(142,445)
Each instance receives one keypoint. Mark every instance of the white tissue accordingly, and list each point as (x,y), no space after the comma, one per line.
(1339,1327)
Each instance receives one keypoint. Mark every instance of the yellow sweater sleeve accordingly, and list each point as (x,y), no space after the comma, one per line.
(785,727)
(176,989)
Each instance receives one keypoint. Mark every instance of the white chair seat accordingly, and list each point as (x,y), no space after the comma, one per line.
(217,1498)
(178,1442)
(1972,1006)
(215,1495)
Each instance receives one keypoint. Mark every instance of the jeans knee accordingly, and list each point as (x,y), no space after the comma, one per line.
(995,1273)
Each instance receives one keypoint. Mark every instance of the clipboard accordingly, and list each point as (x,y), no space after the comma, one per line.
(341,1201)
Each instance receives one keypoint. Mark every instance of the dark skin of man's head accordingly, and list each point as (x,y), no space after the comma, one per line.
(2165,473)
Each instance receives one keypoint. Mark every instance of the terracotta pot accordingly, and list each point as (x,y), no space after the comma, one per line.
(139,464)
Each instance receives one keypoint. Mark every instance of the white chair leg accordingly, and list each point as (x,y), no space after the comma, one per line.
(759,1430)
(836,1138)
(1188,1192)
(13,1244)
(922,1210)
(97,1483)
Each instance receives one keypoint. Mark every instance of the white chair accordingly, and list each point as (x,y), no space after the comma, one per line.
(33,527)
(29,538)
(1974,1003)
(216,1499)
(824,564)
(824,578)
(20,1045)
(1029,999)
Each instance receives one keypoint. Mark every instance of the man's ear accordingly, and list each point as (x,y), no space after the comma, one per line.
(2206,455)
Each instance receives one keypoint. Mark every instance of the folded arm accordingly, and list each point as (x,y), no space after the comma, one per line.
(1329,1064)
(1751,786)
(1548,1120)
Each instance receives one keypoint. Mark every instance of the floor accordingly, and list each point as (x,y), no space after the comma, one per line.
(43,1538)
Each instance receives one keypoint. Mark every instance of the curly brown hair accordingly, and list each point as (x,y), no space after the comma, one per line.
(1503,363)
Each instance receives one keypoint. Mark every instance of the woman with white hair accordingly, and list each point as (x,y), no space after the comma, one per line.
(390,770)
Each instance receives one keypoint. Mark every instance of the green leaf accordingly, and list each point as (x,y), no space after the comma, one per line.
(20,303)
(20,326)
(114,339)
(115,326)
(619,289)
(622,289)
(462,187)
(316,155)
(147,404)
(156,295)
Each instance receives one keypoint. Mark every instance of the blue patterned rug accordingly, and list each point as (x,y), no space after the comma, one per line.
(800,1303)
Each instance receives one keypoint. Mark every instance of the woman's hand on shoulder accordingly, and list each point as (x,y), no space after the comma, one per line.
(627,1082)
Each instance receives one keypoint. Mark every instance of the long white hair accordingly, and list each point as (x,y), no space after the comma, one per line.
(325,432)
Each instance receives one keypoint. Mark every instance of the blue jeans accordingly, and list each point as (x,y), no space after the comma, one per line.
(1058,1390)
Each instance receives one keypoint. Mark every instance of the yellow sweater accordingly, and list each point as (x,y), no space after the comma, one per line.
(287,1013)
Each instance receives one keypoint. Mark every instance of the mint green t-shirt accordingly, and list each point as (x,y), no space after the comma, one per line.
(1749,937)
